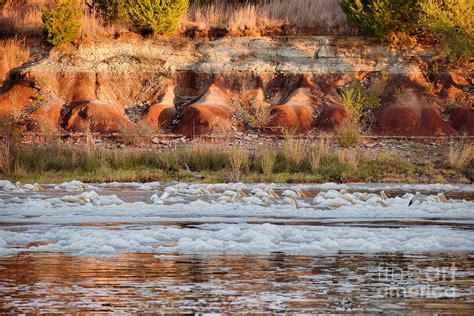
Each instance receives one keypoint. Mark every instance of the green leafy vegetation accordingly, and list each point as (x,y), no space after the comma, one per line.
(157,16)
(347,135)
(451,22)
(57,162)
(114,11)
(62,22)
(381,18)
(448,21)
(353,100)
(361,101)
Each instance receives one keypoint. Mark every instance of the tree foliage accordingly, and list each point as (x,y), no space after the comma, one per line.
(381,18)
(157,16)
(114,11)
(451,22)
(62,22)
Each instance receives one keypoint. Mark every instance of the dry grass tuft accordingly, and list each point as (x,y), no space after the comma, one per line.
(13,53)
(324,15)
(295,150)
(47,131)
(348,135)
(321,149)
(5,159)
(267,161)
(315,161)
(136,133)
(95,28)
(324,145)
(238,162)
(348,157)
(22,17)
(256,115)
(460,155)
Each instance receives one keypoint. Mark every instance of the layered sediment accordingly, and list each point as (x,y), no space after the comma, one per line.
(193,87)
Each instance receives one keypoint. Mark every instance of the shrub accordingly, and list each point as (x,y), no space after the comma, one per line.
(381,18)
(451,23)
(62,23)
(114,11)
(360,102)
(256,115)
(136,133)
(157,16)
(353,101)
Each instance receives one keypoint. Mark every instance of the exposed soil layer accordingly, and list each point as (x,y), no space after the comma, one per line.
(191,87)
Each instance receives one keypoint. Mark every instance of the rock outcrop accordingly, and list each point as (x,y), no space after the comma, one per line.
(18,98)
(160,115)
(462,119)
(211,113)
(100,85)
(97,116)
(332,117)
(411,114)
(295,114)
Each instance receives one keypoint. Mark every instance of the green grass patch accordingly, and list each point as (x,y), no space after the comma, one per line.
(212,164)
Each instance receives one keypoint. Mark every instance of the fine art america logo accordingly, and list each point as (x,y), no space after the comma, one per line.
(413,282)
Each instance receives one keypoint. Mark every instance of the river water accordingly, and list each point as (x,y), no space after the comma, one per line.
(69,248)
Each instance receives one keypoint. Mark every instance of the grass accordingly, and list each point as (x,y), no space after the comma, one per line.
(238,160)
(295,151)
(135,134)
(347,135)
(325,16)
(267,161)
(22,17)
(62,162)
(13,53)
(460,155)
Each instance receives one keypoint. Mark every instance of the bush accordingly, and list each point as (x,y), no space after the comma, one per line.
(353,101)
(382,18)
(451,23)
(114,11)
(157,16)
(62,23)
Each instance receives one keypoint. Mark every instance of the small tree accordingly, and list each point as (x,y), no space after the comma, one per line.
(157,16)
(381,18)
(62,22)
(114,11)
(451,22)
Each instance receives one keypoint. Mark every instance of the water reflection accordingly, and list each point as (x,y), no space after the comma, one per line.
(224,283)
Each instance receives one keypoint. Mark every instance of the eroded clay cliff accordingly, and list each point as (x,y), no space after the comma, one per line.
(193,87)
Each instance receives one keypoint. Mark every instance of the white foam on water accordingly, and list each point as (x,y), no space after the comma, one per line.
(255,221)
(241,238)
